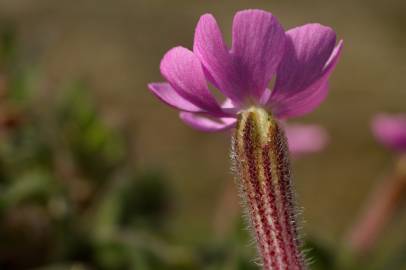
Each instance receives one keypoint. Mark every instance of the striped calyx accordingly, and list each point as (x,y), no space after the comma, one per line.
(262,168)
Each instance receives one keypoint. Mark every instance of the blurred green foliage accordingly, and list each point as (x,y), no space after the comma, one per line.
(69,198)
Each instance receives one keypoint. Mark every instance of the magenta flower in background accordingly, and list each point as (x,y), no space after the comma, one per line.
(306,139)
(387,197)
(390,130)
(301,60)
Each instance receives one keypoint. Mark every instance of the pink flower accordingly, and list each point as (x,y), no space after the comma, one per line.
(302,60)
(305,139)
(390,130)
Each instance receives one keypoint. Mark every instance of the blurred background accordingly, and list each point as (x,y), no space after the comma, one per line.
(96,173)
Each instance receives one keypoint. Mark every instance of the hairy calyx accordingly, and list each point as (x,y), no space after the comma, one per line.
(262,167)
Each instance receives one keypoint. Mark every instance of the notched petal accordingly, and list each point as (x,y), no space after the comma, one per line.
(302,77)
(210,48)
(257,49)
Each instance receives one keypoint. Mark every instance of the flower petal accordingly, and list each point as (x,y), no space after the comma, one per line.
(305,139)
(203,123)
(302,77)
(212,51)
(257,49)
(167,94)
(183,70)
(390,130)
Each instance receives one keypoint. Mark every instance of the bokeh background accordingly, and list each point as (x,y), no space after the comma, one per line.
(96,173)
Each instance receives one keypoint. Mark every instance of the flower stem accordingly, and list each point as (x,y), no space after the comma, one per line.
(262,168)
(379,209)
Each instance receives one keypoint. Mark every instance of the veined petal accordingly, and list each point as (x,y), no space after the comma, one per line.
(308,48)
(302,77)
(183,70)
(210,48)
(166,93)
(390,130)
(257,49)
(203,123)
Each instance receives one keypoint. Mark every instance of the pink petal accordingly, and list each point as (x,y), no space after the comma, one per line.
(306,139)
(212,51)
(302,77)
(258,45)
(184,72)
(167,94)
(202,123)
(390,130)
